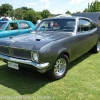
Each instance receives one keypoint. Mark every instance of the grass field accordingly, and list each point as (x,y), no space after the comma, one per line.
(82,82)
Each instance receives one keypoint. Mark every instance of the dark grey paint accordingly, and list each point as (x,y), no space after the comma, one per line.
(50,45)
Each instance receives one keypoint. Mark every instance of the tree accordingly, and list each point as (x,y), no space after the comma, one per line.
(31,16)
(45,13)
(18,13)
(12,13)
(68,12)
(85,10)
(93,7)
(5,8)
(38,14)
(0,10)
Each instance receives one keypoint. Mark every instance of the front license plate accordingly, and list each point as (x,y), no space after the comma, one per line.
(13,65)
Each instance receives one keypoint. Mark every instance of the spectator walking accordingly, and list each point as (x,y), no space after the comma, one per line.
(5,18)
(0,18)
(38,21)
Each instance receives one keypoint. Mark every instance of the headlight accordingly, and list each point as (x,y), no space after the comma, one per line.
(35,56)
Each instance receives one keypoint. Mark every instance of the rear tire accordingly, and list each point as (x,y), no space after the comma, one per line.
(96,49)
(60,68)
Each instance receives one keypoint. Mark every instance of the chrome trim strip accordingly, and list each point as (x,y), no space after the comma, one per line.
(28,62)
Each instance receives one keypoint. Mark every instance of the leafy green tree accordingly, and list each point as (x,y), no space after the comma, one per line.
(38,14)
(93,7)
(18,13)
(45,14)
(5,8)
(31,16)
(68,12)
(0,9)
(85,10)
(11,14)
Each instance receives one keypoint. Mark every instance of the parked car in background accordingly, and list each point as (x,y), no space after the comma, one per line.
(53,44)
(15,27)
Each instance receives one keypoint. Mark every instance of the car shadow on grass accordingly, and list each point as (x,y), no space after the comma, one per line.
(24,81)
(80,59)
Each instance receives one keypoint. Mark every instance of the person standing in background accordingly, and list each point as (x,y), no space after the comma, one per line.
(5,18)
(0,18)
(38,21)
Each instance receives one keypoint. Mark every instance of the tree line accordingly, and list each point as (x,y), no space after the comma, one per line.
(93,7)
(31,15)
(23,12)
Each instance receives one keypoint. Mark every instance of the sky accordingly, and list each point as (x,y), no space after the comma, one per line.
(54,6)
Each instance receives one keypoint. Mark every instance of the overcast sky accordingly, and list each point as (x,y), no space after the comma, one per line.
(54,6)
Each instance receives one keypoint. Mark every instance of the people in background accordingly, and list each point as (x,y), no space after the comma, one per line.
(9,18)
(5,18)
(38,21)
(50,25)
(0,18)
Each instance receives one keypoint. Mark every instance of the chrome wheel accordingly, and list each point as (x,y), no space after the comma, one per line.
(98,46)
(98,49)
(60,67)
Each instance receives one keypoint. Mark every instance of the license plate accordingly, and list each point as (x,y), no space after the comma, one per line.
(13,65)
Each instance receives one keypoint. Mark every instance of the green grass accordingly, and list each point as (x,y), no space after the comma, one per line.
(82,82)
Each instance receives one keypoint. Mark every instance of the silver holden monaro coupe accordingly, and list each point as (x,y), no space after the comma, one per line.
(53,44)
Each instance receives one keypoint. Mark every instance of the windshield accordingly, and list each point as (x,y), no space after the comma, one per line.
(2,25)
(67,25)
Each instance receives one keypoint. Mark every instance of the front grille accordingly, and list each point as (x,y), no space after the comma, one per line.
(20,53)
(15,52)
(4,50)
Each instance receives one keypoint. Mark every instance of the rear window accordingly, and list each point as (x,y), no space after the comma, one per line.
(2,25)
(24,25)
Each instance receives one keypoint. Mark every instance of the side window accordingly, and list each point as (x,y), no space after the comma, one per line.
(92,26)
(84,25)
(24,25)
(12,26)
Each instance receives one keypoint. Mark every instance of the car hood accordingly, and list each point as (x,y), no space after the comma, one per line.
(33,41)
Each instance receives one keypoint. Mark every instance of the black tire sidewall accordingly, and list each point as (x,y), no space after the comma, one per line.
(94,49)
(51,73)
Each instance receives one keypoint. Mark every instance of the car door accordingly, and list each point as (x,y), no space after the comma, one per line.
(24,28)
(11,29)
(85,36)
(3,25)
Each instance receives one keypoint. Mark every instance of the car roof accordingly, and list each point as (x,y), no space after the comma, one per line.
(71,17)
(15,21)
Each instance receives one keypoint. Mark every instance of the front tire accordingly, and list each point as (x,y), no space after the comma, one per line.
(60,68)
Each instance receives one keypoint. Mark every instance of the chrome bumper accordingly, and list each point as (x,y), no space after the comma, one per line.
(27,62)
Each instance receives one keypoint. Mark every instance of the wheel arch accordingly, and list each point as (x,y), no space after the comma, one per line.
(67,53)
